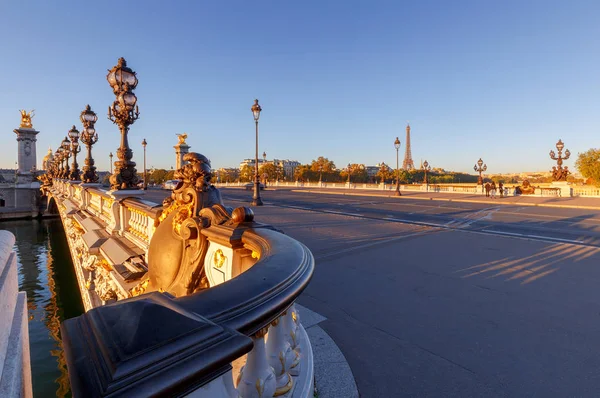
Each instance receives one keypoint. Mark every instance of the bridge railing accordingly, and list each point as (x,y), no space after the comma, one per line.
(241,336)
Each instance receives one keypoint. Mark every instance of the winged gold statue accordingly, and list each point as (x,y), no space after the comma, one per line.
(26,118)
(182,138)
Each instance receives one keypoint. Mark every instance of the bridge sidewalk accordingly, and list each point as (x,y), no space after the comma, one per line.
(572,203)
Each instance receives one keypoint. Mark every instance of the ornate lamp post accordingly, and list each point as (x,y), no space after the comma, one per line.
(560,173)
(320,173)
(349,165)
(480,168)
(57,162)
(123,112)
(397,146)
(256,201)
(144,143)
(89,137)
(110,155)
(426,168)
(75,149)
(66,146)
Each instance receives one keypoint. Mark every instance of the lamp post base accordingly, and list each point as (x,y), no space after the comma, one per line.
(256,202)
(398,193)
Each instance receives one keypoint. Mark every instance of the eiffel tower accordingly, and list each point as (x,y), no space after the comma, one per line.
(408,163)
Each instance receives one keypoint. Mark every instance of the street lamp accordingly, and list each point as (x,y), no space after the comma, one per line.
(66,146)
(560,173)
(256,201)
(123,112)
(480,168)
(320,173)
(144,143)
(426,168)
(75,149)
(397,146)
(349,175)
(89,137)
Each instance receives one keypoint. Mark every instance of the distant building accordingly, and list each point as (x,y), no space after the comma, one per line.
(372,170)
(288,166)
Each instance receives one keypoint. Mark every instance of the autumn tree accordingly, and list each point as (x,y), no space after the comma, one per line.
(158,176)
(588,164)
(358,173)
(270,171)
(246,173)
(385,173)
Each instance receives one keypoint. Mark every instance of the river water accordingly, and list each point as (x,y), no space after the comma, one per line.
(46,274)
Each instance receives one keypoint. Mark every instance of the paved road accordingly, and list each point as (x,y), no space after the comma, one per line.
(428,298)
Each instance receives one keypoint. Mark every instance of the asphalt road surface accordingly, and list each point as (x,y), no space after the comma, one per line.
(429,298)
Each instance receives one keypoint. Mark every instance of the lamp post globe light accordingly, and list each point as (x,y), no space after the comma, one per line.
(480,167)
(66,146)
(426,168)
(397,146)
(144,143)
(89,137)
(110,156)
(123,112)
(256,201)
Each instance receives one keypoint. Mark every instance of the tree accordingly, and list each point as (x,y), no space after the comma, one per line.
(270,170)
(246,173)
(323,165)
(358,173)
(588,164)
(304,173)
(385,173)
(158,176)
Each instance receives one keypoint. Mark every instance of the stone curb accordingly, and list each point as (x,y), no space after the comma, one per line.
(454,200)
(333,376)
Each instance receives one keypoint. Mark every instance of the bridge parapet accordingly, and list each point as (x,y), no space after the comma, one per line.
(193,298)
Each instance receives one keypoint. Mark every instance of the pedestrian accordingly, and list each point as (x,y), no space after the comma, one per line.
(487,189)
(501,188)
(493,190)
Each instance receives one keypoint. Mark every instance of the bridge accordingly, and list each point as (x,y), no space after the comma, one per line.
(188,297)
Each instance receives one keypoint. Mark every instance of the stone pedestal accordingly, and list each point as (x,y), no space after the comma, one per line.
(566,191)
(180,150)
(27,157)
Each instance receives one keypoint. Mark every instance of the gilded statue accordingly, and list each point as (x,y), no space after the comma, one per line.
(182,138)
(26,118)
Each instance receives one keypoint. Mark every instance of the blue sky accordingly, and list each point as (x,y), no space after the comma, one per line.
(501,80)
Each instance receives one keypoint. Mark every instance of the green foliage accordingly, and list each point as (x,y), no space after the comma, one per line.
(158,176)
(270,171)
(588,164)
(323,165)
(246,173)
(385,174)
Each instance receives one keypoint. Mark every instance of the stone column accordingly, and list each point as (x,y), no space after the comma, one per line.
(180,150)
(27,157)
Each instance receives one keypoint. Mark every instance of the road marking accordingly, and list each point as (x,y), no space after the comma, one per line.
(532,236)
(429,224)
(298,207)
(342,213)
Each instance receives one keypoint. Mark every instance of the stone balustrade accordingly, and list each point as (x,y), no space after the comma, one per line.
(15,363)
(189,299)
(541,190)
